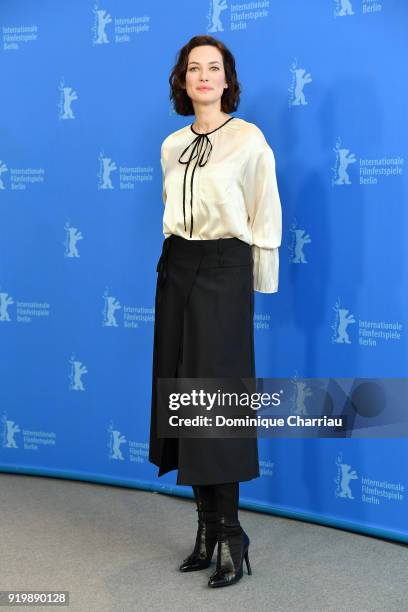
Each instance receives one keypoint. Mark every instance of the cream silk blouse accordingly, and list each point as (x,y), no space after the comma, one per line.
(222,184)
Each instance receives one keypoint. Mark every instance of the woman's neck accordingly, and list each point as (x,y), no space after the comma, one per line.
(205,122)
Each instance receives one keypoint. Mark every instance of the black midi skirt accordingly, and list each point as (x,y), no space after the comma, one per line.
(203,328)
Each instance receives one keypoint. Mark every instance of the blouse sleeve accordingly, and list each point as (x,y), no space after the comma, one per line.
(265,217)
(163,159)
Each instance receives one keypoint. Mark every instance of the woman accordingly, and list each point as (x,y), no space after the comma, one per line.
(222,226)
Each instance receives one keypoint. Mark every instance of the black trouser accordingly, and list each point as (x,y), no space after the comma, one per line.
(222,498)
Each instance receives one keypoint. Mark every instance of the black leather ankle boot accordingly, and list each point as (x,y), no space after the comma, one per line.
(233,545)
(205,543)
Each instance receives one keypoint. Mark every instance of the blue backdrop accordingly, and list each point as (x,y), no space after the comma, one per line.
(84,109)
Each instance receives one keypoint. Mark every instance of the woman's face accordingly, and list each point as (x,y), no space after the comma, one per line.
(205,76)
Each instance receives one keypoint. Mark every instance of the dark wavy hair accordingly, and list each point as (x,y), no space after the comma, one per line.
(181,100)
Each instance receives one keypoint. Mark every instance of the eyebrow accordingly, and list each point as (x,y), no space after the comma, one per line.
(214,62)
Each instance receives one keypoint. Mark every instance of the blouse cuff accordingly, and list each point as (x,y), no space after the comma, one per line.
(266,269)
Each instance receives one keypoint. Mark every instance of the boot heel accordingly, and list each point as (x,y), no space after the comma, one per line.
(247,563)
